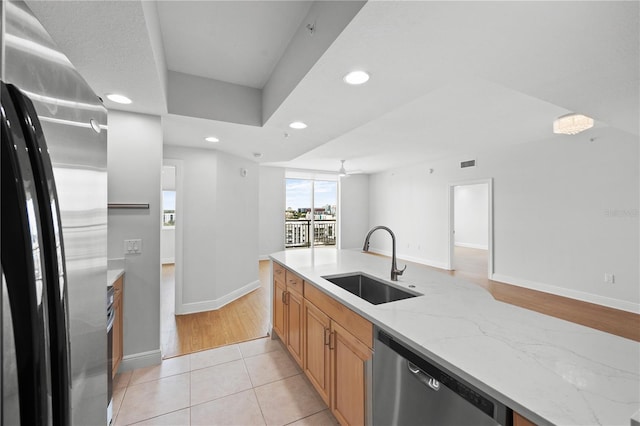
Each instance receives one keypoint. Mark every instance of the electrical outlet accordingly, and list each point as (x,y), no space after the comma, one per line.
(609,278)
(133,246)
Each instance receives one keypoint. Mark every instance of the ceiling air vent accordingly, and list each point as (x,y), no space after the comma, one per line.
(468,163)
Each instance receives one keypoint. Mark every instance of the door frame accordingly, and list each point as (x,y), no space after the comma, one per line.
(179,166)
(451,204)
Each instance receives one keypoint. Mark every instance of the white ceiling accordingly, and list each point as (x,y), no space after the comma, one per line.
(238,42)
(447,78)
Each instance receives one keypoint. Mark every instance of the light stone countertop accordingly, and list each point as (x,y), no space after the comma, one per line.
(547,369)
(115,269)
(113,275)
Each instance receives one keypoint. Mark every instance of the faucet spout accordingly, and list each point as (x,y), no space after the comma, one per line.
(394,267)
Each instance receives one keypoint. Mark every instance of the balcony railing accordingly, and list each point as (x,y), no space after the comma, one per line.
(297,233)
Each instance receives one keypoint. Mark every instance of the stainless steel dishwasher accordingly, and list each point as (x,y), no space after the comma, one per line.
(409,390)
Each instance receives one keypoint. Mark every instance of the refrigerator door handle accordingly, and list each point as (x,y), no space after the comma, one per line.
(22,265)
(53,253)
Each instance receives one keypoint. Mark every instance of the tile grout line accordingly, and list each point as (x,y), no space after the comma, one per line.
(190,373)
(269,349)
(264,420)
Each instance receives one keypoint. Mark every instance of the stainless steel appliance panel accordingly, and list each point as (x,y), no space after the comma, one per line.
(409,390)
(10,398)
(70,114)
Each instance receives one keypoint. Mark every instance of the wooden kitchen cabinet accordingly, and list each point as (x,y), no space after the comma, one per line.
(335,363)
(348,383)
(294,325)
(331,343)
(118,332)
(279,308)
(287,310)
(518,420)
(317,361)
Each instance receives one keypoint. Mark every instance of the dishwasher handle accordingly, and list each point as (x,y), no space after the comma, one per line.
(423,377)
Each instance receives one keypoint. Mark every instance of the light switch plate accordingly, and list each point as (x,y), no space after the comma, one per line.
(133,246)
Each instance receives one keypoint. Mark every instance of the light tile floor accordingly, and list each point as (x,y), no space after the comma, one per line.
(250,383)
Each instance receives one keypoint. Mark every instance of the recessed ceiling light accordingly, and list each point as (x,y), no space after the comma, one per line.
(119,99)
(212,139)
(356,77)
(298,125)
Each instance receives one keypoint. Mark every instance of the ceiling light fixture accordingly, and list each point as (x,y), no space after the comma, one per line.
(342,172)
(356,77)
(572,124)
(212,139)
(119,99)
(298,125)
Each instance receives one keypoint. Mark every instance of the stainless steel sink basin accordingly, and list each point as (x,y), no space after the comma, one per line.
(371,289)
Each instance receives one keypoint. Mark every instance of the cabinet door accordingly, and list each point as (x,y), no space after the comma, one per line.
(519,420)
(279,311)
(348,390)
(294,325)
(317,329)
(116,351)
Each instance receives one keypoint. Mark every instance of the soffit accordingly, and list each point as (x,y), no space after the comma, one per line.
(109,44)
(239,42)
(496,73)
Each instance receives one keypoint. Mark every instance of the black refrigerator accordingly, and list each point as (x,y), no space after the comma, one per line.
(53,230)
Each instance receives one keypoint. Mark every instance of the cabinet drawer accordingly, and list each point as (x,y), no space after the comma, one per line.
(278,272)
(294,282)
(361,328)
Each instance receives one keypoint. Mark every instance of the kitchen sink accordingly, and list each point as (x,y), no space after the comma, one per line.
(371,289)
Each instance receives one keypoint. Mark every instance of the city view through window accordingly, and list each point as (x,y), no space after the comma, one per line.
(168,208)
(301,218)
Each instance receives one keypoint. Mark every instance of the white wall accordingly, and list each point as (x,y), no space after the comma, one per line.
(168,245)
(471,218)
(354,205)
(271,205)
(219,220)
(565,212)
(134,156)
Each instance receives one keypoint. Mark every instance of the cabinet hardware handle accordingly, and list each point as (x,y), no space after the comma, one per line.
(283,297)
(332,340)
(327,336)
(287,298)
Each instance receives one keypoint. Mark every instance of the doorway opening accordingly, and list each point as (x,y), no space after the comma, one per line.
(168,251)
(471,229)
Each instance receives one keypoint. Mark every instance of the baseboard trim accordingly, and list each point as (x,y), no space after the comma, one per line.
(140,360)
(168,260)
(572,294)
(473,246)
(264,257)
(212,305)
(427,262)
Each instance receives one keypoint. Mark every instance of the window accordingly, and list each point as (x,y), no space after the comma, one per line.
(301,218)
(168,208)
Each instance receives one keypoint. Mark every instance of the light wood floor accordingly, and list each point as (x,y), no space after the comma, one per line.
(244,319)
(471,264)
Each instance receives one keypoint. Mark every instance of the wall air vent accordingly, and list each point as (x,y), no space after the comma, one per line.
(468,163)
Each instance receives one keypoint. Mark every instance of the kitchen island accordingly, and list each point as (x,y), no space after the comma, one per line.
(549,370)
